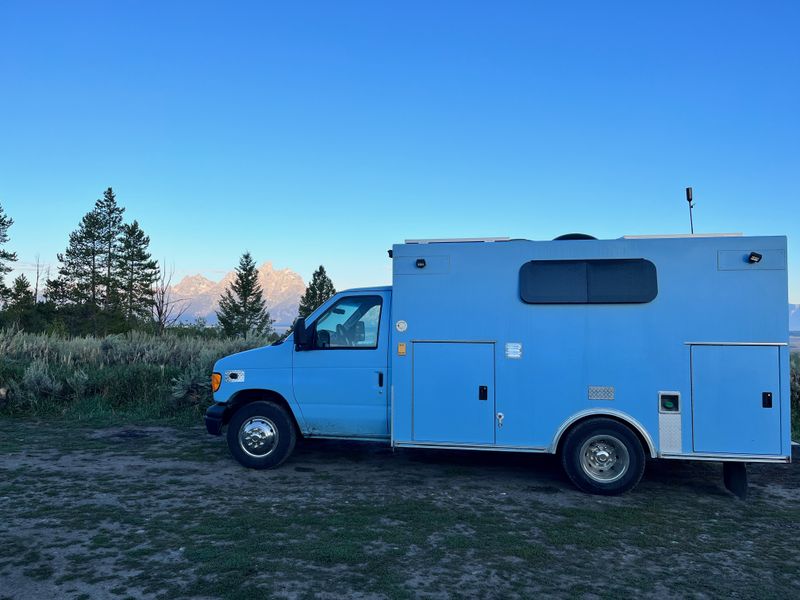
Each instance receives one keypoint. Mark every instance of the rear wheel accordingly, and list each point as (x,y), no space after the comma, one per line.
(603,456)
(261,435)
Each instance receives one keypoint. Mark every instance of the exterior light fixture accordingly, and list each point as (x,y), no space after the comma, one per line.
(754,258)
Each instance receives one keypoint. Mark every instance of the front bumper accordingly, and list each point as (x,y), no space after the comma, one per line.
(215,418)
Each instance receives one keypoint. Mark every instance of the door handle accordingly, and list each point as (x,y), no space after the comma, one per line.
(483,392)
(766,400)
(380,378)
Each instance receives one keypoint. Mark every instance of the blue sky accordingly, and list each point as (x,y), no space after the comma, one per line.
(324,132)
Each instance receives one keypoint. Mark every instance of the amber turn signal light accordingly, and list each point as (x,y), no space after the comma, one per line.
(216,380)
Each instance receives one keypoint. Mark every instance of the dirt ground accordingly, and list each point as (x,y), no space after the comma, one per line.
(166,513)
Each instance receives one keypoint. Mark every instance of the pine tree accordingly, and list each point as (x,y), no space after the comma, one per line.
(242,308)
(109,215)
(5,256)
(318,291)
(21,307)
(80,277)
(20,296)
(135,273)
(87,286)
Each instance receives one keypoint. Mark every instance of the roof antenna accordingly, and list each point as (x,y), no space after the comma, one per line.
(691,206)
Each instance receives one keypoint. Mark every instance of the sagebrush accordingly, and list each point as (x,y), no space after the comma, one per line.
(133,374)
(137,375)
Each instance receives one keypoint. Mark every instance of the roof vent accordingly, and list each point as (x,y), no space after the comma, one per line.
(575,236)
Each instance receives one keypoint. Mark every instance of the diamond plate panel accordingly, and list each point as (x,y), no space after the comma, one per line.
(669,432)
(601,392)
(234,376)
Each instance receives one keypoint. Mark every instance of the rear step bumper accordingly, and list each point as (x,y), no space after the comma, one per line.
(215,418)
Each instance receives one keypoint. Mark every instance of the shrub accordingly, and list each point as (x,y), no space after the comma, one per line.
(133,373)
(38,385)
(191,387)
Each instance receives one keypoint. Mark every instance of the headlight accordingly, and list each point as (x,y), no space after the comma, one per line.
(216,380)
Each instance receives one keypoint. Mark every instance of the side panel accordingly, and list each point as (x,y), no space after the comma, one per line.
(736,399)
(453,392)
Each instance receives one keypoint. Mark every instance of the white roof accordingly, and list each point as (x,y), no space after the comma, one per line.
(680,235)
(624,237)
(455,240)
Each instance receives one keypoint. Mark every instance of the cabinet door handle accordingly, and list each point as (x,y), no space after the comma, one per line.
(483,392)
(380,378)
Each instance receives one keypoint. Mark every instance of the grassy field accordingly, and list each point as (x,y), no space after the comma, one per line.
(131,377)
(163,512)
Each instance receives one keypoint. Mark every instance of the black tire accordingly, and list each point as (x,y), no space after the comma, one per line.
(588,443)
(261,419)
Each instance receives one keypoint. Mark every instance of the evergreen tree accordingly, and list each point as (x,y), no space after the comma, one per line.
(5,256)
(242,308)
(318,291)
(87,286)
(22,309)
(135,273)
(109,215)
(20,296)
(80,277)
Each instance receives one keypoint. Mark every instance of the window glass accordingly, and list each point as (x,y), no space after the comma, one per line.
(598,281)
(621,281)
(352,322)
(553,281)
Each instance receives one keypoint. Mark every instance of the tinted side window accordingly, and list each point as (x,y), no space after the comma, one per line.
(597,281)
(350,323)
(621,281)
(553,282)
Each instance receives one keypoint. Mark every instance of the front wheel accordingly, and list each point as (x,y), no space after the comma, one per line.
(261,435)
(603,456)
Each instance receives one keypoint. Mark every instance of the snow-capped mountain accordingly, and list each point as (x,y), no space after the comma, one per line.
(282,291)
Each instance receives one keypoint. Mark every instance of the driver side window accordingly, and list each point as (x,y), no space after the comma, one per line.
(350,323)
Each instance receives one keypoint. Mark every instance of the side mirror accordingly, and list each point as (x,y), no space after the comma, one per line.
(302,336)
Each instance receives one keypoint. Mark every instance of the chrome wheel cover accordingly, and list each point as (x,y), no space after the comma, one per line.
(258,437)
(604,458)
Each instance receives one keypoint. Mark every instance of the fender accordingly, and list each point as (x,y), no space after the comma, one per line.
(604,412)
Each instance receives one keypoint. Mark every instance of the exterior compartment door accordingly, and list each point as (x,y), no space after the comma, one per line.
(453,392)
(736,403)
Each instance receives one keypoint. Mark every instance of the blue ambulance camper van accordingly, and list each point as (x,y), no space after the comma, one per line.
(604,352)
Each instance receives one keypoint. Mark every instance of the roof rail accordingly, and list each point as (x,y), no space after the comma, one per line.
(458,240)
(680,235)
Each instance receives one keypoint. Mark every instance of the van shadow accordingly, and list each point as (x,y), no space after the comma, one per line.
(542,472)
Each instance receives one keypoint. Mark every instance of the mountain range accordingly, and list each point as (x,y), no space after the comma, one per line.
(282,291)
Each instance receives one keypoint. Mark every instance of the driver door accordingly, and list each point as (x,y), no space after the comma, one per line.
(340,383)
